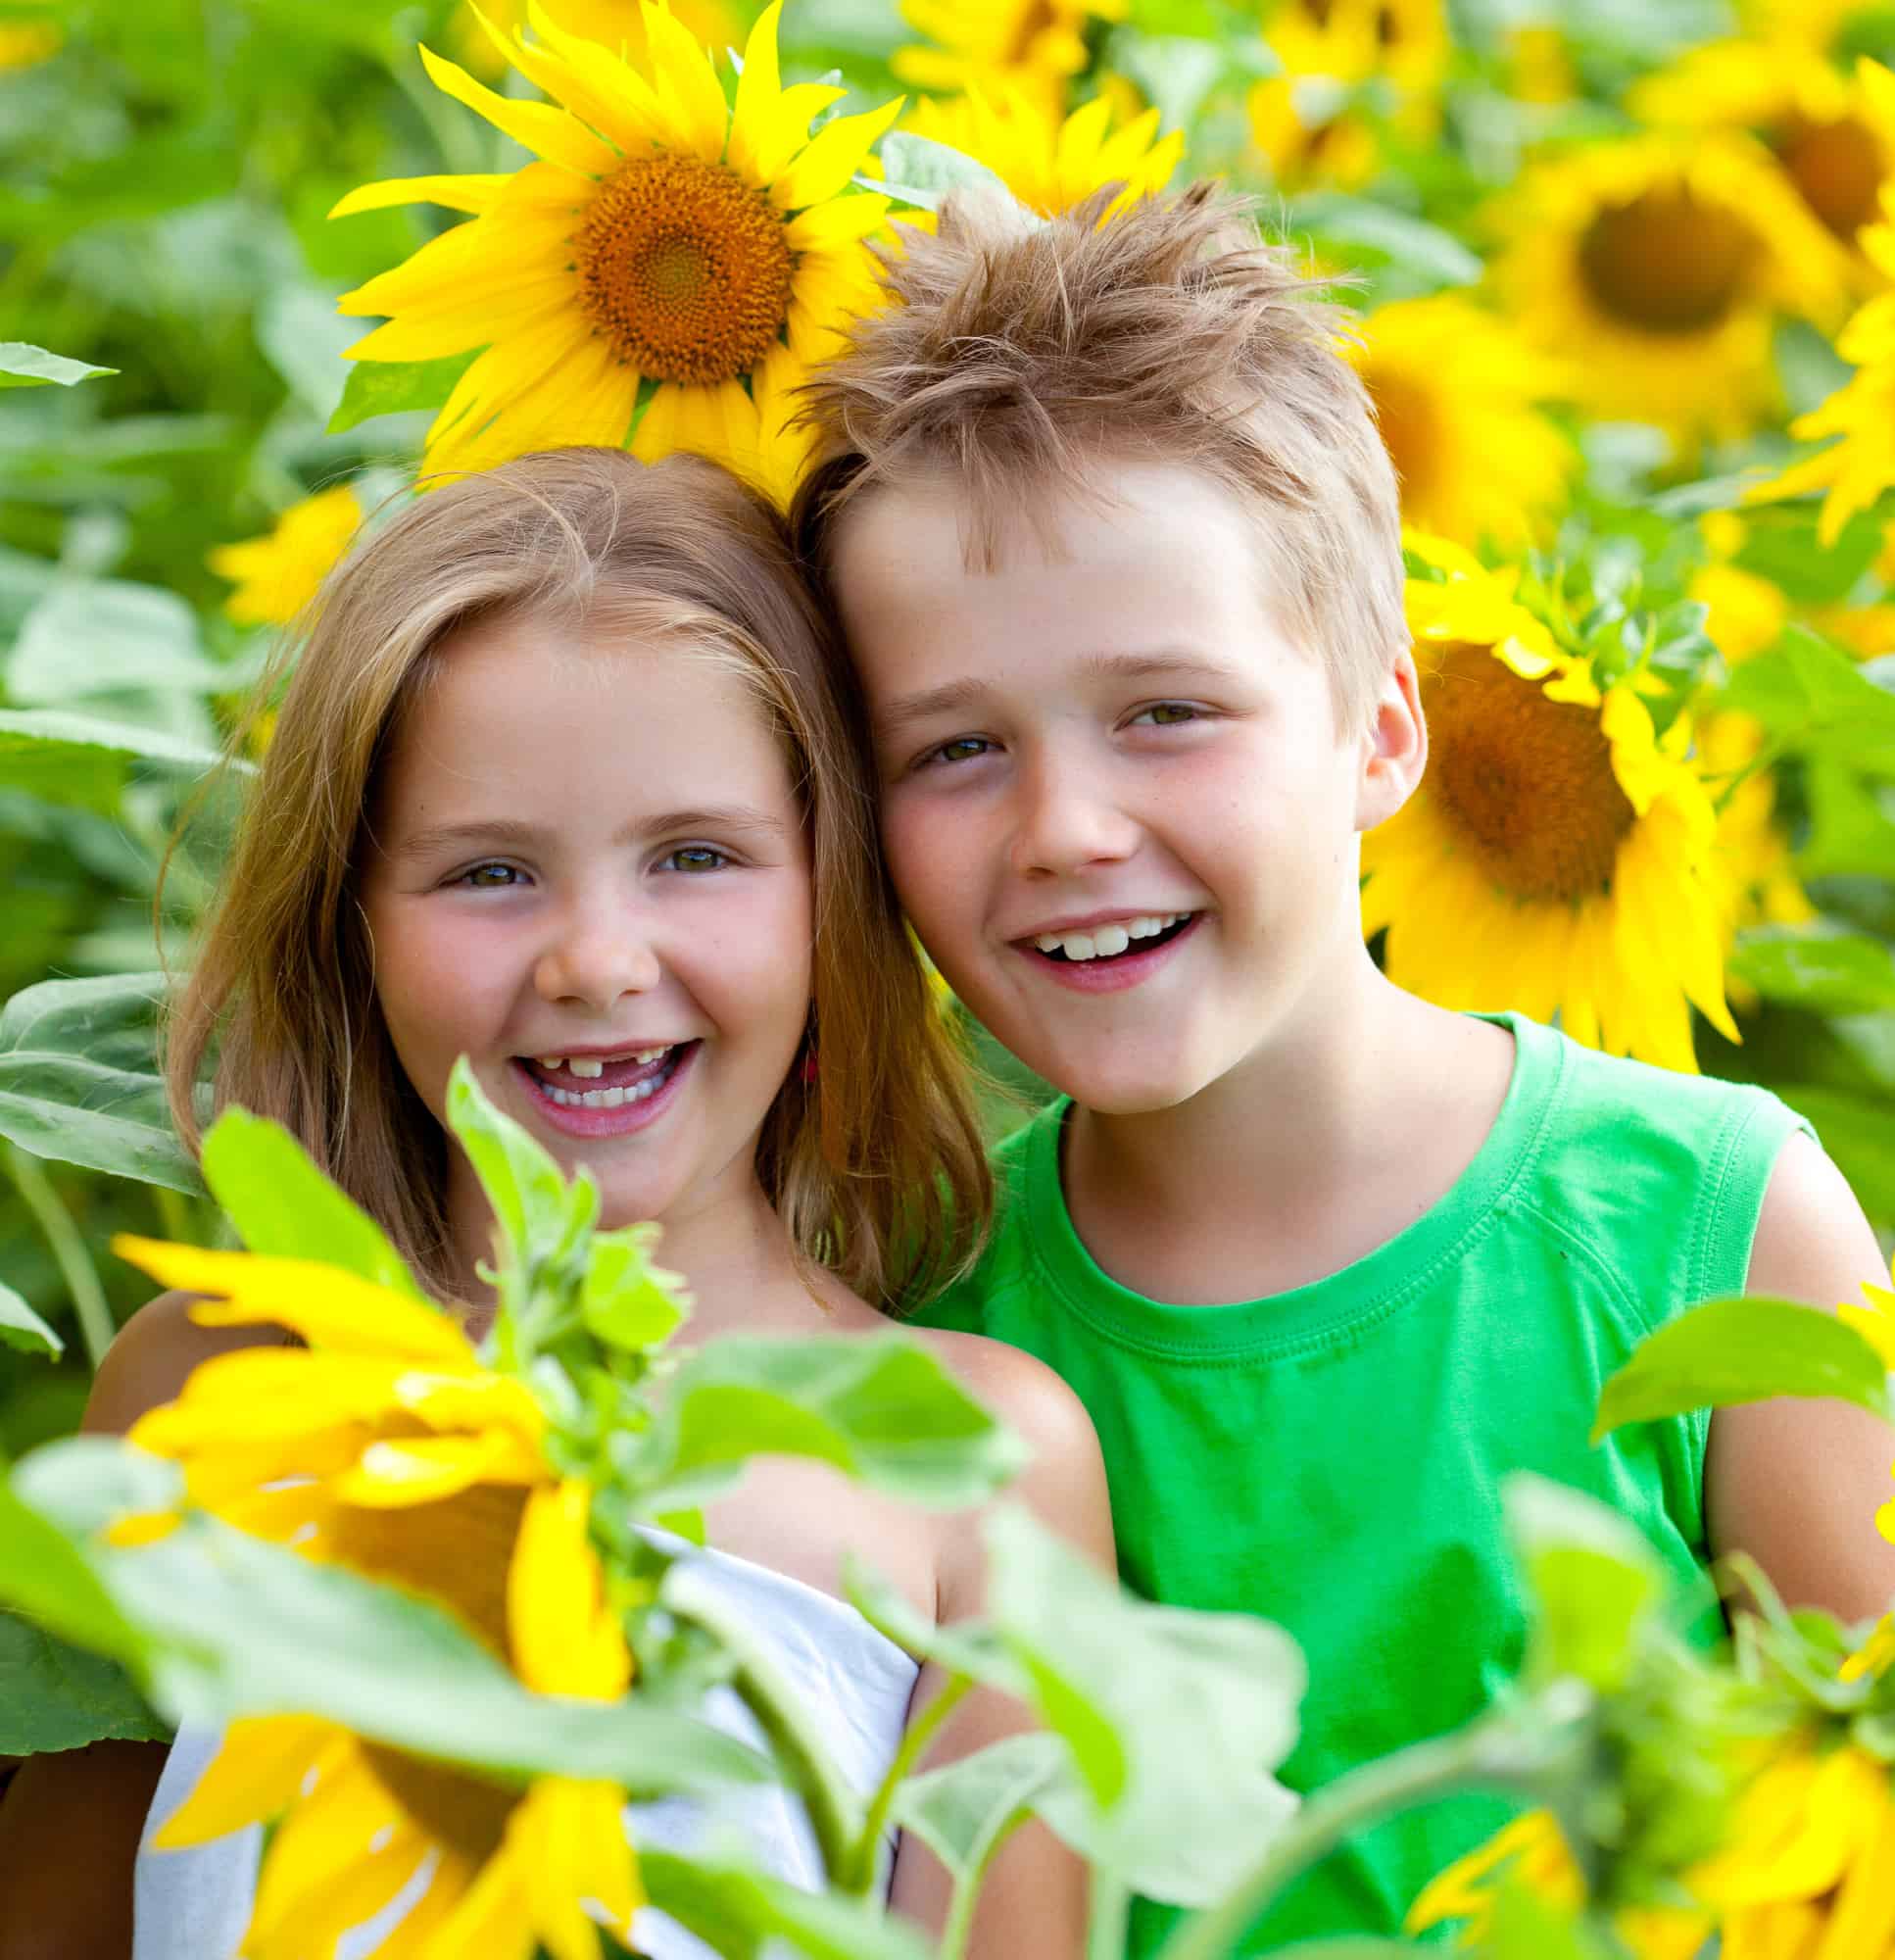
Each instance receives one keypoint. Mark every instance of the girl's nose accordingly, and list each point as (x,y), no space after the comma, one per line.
(595,956)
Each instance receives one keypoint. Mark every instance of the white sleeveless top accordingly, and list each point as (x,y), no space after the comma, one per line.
(195,1904)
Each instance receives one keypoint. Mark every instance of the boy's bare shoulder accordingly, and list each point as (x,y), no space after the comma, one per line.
(154,1353)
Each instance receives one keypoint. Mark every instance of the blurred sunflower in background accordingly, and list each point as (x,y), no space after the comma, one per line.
(1035,47)
(1348,66)
(1052,162)
(662,237)
(1557,857)
(1832,135)
(1655,269)
(277,574)
(460,1865)
(1457,398)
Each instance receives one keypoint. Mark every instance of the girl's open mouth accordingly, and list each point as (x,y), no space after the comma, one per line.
(605,1096)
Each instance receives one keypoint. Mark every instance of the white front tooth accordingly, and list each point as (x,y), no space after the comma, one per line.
(1049,942)
(1078,945)
(551,1061)
(647,1055)
(1142,928)
(1111,940)
(585,1066)
(558,1096)
(611,1099)
(638,1092)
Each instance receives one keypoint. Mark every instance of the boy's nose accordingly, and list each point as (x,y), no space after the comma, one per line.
(1065,822)
(593,957)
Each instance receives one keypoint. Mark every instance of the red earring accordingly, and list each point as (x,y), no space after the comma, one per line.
(808,1069)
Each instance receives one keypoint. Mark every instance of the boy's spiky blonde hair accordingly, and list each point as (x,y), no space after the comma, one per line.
(1015,353)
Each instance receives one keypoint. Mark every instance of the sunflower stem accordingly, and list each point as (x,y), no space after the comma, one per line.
(1511,1757)
(860,1875)
(76,1265)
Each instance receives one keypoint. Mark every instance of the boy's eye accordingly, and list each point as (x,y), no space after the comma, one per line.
(1167,713)
(697,857)
(490,878)
(963,748)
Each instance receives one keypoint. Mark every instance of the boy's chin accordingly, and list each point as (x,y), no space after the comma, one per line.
(1120,1085)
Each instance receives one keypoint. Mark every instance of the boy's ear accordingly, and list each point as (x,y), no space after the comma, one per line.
(1395,747)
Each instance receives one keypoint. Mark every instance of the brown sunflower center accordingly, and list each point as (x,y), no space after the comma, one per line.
(457,1551)
(1666,263)
(683,269)
(1411,431)
(1838,168)
(1527,783)
(1387,29)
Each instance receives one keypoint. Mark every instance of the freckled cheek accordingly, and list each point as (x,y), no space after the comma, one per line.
(750,969)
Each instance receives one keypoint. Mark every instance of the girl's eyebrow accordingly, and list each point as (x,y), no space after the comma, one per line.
(511,831)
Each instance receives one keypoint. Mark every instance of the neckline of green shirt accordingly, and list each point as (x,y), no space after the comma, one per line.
(1328,1312)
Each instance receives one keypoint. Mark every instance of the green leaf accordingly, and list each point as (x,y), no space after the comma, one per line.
(285,1207)
(966,1647)
(925,173)
(57,1697)
(528,1192)
(742,1915)
(79,1081)
(1828,973)
(1781,545)
(884,1411)
(21,1327)
(1174,1719)
(1176,72)
(90,637)
(84,760)
(1742,1350)
(397,387)
(1351,1947)
(960,1812)
(1805,691)
(624,1299)
(22,366)
(45,1576)
(1852,825)
(81,1484)
(1592,1576)
(1335,218)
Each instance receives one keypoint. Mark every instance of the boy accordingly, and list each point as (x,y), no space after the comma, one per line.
(1115,545)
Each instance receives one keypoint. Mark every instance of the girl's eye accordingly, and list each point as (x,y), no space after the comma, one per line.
(1167,713)
(697,857)
(490,878)
(963,748)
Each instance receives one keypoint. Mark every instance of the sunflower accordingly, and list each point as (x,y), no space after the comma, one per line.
(1557,857)
(662,237)
(1455,395)
(27,43)
(1832,135)
(1032,46)
(616,25)
(1314,120)
(1655,267)
(278,574)
(386,1407)
(1052,164)
(1857,468)
(485,1869)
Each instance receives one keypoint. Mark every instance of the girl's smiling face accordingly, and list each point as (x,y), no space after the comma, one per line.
(591,875)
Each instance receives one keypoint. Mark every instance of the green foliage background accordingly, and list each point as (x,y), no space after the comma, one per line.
(165,178)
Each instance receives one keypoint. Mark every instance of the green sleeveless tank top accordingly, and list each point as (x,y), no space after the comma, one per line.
(1332,1457)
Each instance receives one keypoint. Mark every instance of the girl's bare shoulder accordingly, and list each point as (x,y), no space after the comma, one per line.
(153,1355)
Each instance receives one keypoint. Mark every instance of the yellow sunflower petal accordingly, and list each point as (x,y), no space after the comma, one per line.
(475,193)
(549,132)
(324,1857)
(564,1637)
(779,132)
(595,83)
(419,1470)
(571,1847)
(827,166)
(477,313)
(263,1761)
(760,90)
(682,69)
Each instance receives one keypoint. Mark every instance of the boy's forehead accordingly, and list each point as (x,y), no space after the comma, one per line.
(1133,559)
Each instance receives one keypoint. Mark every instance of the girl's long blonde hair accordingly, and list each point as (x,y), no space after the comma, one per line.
(873,1158)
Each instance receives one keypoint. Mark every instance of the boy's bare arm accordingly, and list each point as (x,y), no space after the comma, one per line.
(1797,1484)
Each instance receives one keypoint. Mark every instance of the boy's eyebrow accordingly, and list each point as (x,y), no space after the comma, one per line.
(502,830)
(954,696)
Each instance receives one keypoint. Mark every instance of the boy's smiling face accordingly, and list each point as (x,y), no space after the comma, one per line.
(1111,747)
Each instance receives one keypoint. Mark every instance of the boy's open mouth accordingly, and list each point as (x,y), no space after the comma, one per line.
(604,1081)
(1106,942)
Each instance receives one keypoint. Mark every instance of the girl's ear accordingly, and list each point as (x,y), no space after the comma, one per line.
(1395,747)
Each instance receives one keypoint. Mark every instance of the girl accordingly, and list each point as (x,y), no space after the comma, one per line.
(558,785)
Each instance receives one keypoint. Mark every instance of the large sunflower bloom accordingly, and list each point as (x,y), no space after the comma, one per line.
(1052,162)
(1655,269)
(387,1407)
(1307,120)
(617,24)
(661,236)
(1457,398)
(276,575)
(1557,857)
(486,1870)
(1832,135)
(1033,46)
